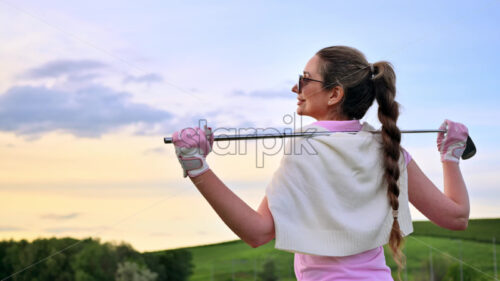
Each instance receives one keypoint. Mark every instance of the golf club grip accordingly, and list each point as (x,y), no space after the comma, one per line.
(470,149)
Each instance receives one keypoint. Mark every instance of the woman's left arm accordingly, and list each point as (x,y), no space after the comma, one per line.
(254,227)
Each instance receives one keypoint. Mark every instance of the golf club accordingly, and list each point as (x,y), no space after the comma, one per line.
(470,147)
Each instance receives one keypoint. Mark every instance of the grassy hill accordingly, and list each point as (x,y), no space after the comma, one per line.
(482,230)
(235,260)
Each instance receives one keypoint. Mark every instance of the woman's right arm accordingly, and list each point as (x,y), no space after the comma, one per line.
(449,209)
(255,228)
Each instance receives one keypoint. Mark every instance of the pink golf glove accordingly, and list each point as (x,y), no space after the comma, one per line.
(451,144)
(192,146)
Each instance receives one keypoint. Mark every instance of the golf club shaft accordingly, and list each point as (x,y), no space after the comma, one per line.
(300,134)
(470,147)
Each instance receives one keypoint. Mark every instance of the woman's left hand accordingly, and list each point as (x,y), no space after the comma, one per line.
(192,145)
(452,144)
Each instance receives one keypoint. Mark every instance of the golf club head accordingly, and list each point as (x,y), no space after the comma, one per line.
(470,149)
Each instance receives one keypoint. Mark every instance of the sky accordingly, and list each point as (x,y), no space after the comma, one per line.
(88,90)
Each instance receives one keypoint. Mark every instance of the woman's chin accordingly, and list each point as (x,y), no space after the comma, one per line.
(300,111)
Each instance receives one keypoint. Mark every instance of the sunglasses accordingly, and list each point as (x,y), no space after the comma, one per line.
(303,81)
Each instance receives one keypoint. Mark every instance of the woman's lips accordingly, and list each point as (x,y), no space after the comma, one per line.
(300,101)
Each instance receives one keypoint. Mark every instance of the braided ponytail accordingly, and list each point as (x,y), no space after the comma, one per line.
(363,83)
(384,81)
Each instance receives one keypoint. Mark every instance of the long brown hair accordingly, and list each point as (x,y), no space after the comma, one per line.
(362,84)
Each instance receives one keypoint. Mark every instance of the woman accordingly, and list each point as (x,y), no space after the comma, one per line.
(335,209)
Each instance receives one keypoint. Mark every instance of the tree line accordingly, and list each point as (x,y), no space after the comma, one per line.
(68,259)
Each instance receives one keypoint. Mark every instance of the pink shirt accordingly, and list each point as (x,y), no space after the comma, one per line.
(368,265)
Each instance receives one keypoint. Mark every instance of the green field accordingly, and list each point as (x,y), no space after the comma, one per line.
(482,230)
(235,260)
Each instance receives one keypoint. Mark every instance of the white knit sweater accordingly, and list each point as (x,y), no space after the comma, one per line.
(328,196)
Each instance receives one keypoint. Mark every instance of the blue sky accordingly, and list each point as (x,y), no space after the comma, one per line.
(93,81)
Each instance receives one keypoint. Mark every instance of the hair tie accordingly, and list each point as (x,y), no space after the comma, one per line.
(372,69)
(395,214)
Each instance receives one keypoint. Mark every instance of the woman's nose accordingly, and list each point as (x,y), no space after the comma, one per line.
(295,89)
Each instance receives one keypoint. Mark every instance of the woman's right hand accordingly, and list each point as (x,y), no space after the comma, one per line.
(192,145)
(451,144)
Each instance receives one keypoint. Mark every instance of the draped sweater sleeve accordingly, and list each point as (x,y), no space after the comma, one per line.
(328,196)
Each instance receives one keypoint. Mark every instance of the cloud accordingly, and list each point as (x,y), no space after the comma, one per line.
(10,228)
(60,217)
(147,78)
(160,234)
(63,67)
(287,94)
(74,229)
(88,112)
(82,77)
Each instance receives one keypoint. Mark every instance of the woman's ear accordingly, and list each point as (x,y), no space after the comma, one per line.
(336,95)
